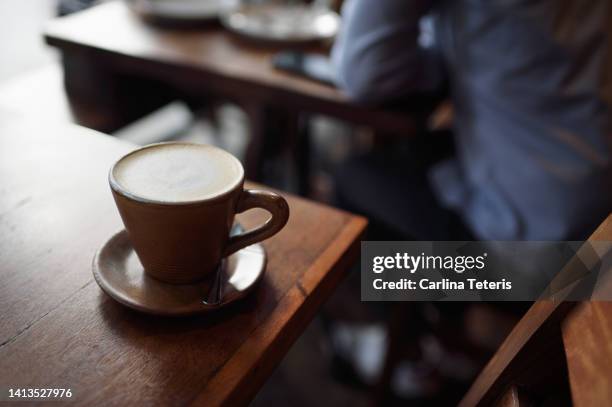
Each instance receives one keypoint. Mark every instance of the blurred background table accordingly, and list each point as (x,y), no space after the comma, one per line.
(59,330)
(118,67)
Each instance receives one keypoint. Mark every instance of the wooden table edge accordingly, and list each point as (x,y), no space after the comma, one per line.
(333,104)
(243,374)
(56,40)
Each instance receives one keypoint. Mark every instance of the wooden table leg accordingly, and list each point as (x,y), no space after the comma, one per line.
(400,341)
(275,131)
(302,152)
(258,124)
(104,100)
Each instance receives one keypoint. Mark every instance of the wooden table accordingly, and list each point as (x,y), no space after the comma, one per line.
(57,328)
(118,67)
(208,59)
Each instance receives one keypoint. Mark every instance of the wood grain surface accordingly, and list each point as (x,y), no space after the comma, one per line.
(207,60)
(57,329)
(534,354)
(587,336)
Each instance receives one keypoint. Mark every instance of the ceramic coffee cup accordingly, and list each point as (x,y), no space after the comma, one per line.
(178,202)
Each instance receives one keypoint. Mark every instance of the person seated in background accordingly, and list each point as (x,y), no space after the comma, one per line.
(531,86)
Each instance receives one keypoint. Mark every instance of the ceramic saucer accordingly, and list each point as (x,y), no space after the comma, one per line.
(119,273)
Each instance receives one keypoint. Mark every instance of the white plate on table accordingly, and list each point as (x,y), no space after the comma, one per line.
(188,10)
(282,23)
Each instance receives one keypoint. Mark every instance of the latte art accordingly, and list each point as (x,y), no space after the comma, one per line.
(178,172)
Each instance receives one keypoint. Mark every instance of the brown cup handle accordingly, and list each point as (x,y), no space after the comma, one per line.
(271,202)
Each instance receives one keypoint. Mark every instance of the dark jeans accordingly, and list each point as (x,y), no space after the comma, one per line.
(390,187)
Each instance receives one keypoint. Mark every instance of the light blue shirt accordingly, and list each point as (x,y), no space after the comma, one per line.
(532,90)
